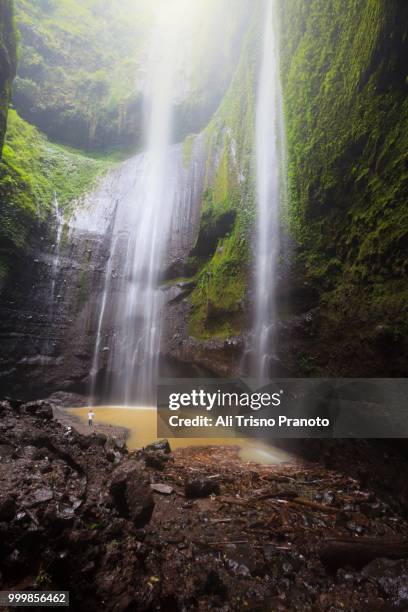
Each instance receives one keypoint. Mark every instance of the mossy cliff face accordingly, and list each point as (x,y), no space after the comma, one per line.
(343,305)
(83,66)
(219,264)
(7,61)
(32,172)
(345,86)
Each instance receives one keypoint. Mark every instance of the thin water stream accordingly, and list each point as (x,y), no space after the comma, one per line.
(270,163)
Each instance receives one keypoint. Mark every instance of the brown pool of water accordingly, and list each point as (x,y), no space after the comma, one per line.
(142,426)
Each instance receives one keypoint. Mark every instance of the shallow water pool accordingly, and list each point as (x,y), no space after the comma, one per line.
(141,424)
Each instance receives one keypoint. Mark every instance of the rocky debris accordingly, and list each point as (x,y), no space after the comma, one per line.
(130,492)
(156,460)
(161,488)
(156,455)
(201,487)
(40,408)
(115,449)
(71,518)
(159,446)
(392,577)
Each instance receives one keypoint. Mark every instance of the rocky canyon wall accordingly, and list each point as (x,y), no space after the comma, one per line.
(8,61)
(345,90)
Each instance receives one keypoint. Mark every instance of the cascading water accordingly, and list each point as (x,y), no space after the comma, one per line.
(59,223)
(270,195)
(151,191)
(55,266)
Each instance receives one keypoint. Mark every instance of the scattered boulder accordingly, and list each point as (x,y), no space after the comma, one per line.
(114,450)
(159,446)
(156,460)
(156,455)
(131,493)
(201,487)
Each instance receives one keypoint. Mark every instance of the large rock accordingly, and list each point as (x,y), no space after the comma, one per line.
(131,494)
(156,460)
(159,446)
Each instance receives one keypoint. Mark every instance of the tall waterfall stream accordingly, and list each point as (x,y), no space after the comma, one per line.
(270,149)
(153,196)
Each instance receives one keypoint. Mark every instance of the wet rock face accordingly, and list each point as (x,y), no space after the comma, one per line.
(47,320)
(50,308)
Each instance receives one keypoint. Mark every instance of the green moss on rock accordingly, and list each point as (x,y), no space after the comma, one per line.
(8,53)
(31,172)
(228,210)
(346,104)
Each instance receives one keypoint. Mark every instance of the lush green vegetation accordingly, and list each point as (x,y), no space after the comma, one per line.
(345,83)
(79,60)
(228,210)
(83,64)
(7,61)
(31,172)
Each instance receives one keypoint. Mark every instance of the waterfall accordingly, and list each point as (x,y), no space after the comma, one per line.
(270,191)
(59,223)
(55,267)
(150,189)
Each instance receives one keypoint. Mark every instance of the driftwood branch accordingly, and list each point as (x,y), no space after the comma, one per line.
(356,552)
(314,505)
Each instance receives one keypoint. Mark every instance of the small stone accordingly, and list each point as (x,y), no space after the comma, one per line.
(162,488)
(328,497)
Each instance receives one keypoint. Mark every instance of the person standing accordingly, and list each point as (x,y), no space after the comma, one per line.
(91,415)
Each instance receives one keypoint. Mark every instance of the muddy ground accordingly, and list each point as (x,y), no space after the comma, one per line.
(197,529)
